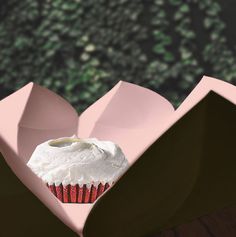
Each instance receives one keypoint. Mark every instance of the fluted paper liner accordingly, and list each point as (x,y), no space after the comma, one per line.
(78,194)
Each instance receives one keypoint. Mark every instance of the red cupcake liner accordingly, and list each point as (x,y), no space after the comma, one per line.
(77,194)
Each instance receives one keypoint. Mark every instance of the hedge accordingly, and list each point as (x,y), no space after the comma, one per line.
(81,49)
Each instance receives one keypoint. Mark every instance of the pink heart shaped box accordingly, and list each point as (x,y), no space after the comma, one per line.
(132,116)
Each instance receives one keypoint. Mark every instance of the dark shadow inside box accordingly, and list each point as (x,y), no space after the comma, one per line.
(189,172)
(221,223)
(22,213)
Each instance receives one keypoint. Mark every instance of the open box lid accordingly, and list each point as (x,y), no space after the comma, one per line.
(153,138)
(34,114)
(187,172)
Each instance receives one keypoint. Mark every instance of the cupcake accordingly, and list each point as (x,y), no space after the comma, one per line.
(78,170)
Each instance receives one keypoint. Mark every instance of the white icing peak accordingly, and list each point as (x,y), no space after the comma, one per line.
(72,160)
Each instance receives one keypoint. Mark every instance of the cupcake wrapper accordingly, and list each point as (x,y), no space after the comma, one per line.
(77,194)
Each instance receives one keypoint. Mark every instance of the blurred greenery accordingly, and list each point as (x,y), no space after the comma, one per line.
(81,49)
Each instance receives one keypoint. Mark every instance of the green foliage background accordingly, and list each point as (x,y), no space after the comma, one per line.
(81,48)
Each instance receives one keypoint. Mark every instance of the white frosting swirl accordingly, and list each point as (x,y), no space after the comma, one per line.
(71,160)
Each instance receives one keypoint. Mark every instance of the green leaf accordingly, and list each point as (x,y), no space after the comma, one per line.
(159,49)
(169,57)
(184,8)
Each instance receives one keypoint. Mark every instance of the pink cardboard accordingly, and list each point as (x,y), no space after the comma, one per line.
(132,116)
(34,114)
